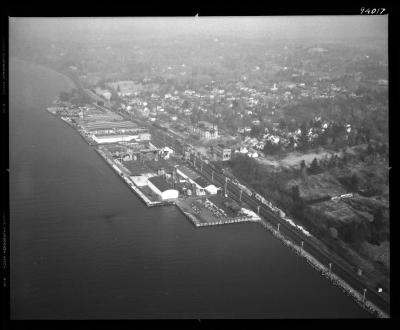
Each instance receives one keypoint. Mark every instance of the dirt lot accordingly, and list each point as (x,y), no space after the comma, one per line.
(294,158)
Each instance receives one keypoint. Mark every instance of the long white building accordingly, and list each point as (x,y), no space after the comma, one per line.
(161,187)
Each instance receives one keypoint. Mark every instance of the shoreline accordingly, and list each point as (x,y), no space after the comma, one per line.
(334,279)
(311,260)
(314,263)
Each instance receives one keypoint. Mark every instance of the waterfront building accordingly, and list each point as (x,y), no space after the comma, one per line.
(112,138)
(113,127)
(202,184)
(113,132)
(162,188)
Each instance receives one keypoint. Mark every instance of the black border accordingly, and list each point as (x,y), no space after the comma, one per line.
(203,8)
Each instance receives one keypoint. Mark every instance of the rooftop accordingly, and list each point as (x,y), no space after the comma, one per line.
(188,172)
(222,146)
(202,182)
(95,125)
(160,164)
(160,183)
(108,136)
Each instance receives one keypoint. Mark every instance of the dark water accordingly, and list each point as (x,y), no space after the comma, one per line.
(84,246)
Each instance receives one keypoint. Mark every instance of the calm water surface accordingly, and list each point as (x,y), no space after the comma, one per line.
(84,246)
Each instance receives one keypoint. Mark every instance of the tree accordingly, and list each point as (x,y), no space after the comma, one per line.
(354,182)
(334,233)
(303,170)
(314,167)
(303,139)
(185,104)
(271,148)
(296,193)
(255,131)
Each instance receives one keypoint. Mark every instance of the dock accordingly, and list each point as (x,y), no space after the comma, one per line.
(201,223)
(130,183)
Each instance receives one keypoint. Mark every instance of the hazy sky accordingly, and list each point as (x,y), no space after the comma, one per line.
(291,27)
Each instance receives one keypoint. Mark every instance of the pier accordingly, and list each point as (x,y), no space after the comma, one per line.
(127,180)
(202,223)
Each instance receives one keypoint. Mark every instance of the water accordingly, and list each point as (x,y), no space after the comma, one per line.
(84,246)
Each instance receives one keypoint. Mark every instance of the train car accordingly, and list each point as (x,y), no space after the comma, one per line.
(248,191)
(245,189)
(346,196)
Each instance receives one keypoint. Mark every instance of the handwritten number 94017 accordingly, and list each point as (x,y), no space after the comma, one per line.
(372,11)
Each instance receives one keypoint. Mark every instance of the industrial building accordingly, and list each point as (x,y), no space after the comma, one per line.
(113,138)
(200,185)
(113,127)
(142,151)
(115,131)
(206,130)
(162,188)
(222,152)
(206,186)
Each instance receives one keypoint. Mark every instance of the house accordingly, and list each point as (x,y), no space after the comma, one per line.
(243,150)
(252,154)
(166,152)
(162,188)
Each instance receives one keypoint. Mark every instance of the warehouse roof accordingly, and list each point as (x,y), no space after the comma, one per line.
(160,164)
(188,172)
(109,124)
(160,183)
(202,182)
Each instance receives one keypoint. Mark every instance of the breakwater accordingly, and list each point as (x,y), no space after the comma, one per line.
(227,221)
(326,272)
